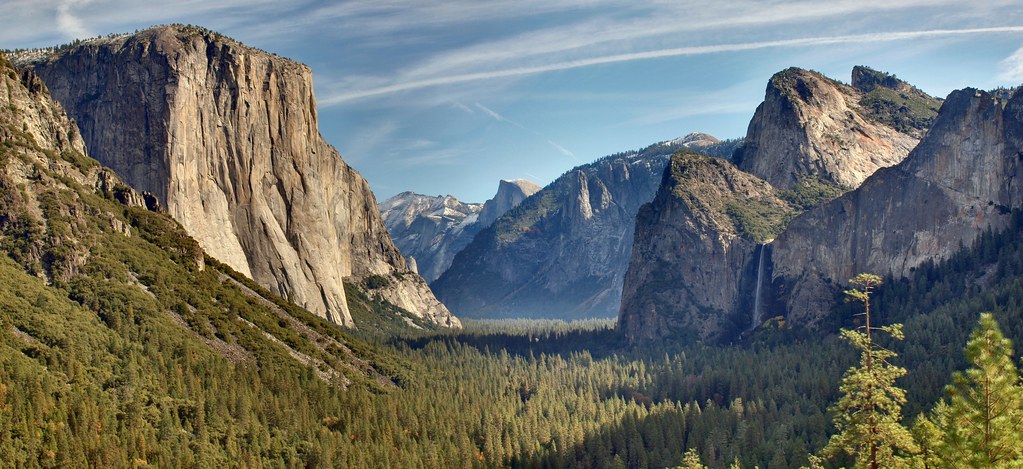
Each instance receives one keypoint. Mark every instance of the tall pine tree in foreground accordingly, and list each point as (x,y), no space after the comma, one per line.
(982,422)
(868,413)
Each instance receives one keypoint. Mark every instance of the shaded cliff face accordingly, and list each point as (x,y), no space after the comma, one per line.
(692,275)
(810,126)
(429,230)
(563,252)
(694,257)
(963,178)
(45,173)
(226,137)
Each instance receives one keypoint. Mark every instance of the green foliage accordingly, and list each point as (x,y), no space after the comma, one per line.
(809,192)
(868,414)
(983,422)
(907,112)
(756,219)
(378,320)
(374,282)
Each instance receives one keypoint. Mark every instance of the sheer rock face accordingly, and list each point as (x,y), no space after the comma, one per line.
(695,267)
(963,178)
(690,263)
(430,230)
(812,126)
(563,251)
(226,138)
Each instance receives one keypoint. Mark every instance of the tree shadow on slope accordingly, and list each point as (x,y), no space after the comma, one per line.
(740,433)
(524,340)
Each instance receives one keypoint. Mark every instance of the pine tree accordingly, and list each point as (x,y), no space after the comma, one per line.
(691,460)
(868,413)
(983,417)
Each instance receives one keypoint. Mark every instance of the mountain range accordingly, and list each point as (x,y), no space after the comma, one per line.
(430,230)
(562,252)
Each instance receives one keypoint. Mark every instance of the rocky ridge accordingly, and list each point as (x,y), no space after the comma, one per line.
(226,138)
(811,139)
(429,230)
(962,179)
(562,252)
(810,126)
(692,251)
(510,193)
(42,157)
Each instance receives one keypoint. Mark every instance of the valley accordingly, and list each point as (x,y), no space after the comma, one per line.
(192,276)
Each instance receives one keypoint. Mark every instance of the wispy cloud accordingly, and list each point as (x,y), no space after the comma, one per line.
(498,117)
(662,53)
(68,23)
(1012,67)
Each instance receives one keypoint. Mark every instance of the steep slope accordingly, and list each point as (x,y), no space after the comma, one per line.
(811,140)
(961,180)
(696,252)
(226,138)
(562,252)
(111,318)
(812,127)
(430,230)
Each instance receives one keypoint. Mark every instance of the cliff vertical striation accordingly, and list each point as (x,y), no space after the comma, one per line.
(226,138)
(696,252)
(962,179)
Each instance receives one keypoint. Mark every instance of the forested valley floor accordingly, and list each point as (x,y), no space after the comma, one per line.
(78,389)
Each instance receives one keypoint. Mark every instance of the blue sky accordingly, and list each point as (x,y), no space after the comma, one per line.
(448,97)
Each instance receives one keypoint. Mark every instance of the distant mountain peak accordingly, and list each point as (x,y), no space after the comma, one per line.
(694,140)
(432,229)
(811,126)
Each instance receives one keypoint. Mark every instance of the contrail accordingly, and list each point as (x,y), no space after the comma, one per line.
(662,53)
(498,117)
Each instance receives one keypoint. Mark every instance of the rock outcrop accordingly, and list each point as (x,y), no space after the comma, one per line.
(810,140)
(226,138)
(563,252)
(963,178)
(696,253)
(510,193)
(430,230)
(810,126)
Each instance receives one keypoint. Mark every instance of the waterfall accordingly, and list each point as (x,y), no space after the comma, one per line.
(756,298)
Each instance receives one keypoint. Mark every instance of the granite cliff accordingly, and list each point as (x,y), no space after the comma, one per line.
(226,138)
(695,244)
(43,168)
(430,230)
(962,179)
(510,193)
(812,127)
(811,139)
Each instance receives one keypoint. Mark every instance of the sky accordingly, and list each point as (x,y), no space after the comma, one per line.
(450,96)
